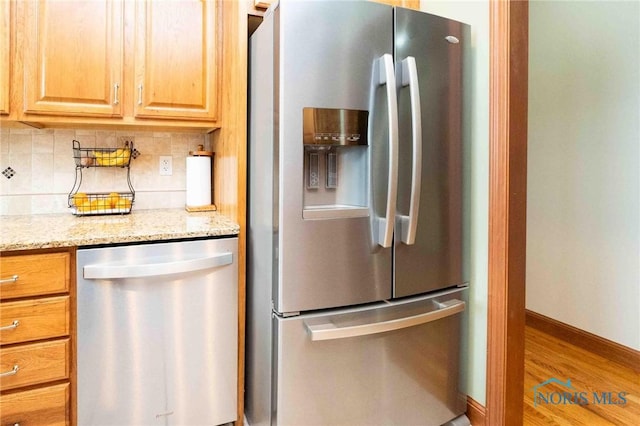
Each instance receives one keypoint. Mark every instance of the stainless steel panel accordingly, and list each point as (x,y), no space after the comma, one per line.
(157,351)
(326,262)
(436,259)
(407,376)
(262,224)
(330,126)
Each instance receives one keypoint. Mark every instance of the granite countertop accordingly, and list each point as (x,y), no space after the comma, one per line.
(66,230)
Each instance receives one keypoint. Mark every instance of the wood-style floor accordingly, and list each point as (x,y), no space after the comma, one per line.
(547,357)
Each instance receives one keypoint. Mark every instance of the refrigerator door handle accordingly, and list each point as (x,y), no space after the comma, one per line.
(388,78)
(107,272)
(329,330)
(409,223)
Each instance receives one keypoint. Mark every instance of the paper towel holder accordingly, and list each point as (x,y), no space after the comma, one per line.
(200,152)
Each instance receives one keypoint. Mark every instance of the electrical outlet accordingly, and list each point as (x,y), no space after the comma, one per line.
(166,166)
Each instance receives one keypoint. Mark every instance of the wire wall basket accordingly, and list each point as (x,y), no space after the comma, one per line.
(101,203)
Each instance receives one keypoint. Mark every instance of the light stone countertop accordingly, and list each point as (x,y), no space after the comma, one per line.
(66,230)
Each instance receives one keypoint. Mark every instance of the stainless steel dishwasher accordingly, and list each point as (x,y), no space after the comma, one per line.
(157,333)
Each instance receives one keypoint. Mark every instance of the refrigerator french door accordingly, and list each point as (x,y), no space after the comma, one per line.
(355,216)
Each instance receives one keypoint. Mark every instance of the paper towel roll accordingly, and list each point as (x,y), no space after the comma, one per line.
(198,181)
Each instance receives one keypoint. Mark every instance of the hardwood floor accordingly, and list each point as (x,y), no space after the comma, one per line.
(616,387)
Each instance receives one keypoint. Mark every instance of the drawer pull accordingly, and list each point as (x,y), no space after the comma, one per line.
(11,372)
(13,326)
(13,279)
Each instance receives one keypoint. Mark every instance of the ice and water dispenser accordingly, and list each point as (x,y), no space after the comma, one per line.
(335,163)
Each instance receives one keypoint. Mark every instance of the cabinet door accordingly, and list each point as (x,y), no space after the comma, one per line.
(175,59)
(5,34)
(73,61)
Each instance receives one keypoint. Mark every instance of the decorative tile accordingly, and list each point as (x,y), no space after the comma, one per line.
(62,141)
(42,143)
(42,173)
(20,143)
(4,142)
(21,183)
(106,139)
(162,145)
(15,205)
(63,181)
(145,144)
(8,172)
(19,131)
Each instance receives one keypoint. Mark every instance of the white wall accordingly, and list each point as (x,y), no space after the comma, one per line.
(583,215)
(476,14)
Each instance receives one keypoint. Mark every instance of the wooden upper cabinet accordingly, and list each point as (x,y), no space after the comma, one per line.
(73,57)
(5,53)
(176,60)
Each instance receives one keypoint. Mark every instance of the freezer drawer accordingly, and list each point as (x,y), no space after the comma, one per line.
(385,364)
(157,334)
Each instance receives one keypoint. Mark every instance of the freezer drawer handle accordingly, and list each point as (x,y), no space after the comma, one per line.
(329,331)
(410,78)
(107,272)
(387,77)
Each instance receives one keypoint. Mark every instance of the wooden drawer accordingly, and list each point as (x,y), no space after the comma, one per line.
(37,274)
(36,363)
(45,406)
(37,319)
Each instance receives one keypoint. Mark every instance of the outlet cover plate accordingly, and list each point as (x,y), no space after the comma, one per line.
(166,165)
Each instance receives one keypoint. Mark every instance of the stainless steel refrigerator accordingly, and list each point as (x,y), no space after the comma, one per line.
(356,267)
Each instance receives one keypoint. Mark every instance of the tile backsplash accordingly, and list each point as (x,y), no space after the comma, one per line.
(43,170)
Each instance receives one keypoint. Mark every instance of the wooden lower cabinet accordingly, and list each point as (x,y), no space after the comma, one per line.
(35,275)
(37,367)
(43,406)
(34,364)
(34,319)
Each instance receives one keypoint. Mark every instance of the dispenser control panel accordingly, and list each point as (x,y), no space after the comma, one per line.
(329,126)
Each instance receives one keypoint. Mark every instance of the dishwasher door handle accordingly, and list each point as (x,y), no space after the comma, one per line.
(107,272)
